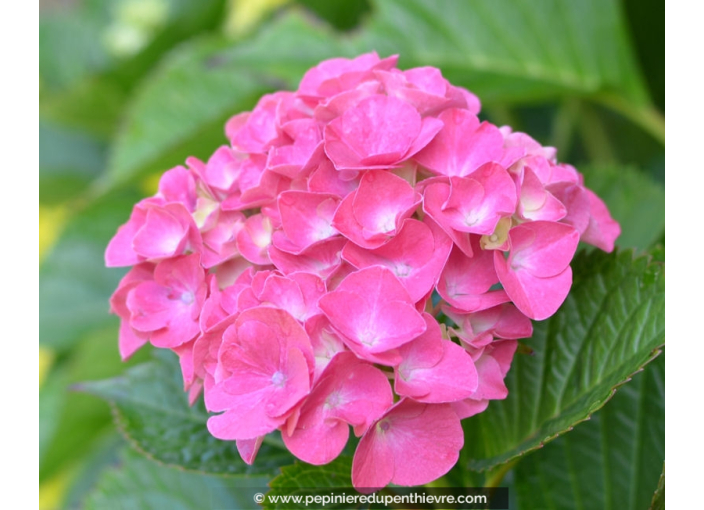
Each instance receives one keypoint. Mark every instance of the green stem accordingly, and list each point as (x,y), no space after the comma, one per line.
(495,476)
(646,117)
(563,126)
(275,441)
(502,115)
(596,139)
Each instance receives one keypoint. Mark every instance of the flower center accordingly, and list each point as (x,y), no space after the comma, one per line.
(278,378)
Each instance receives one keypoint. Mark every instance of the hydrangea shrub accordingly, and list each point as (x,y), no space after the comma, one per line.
(365,253)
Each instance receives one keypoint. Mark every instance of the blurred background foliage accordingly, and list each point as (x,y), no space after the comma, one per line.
(129,88)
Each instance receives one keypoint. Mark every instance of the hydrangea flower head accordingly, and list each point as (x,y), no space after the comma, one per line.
(364,253)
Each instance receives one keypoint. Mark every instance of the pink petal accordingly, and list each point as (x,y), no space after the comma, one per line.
(130,340)
(254,239)
(423,87)
(477,203)
(165,232)
(536,297)
(503,321)
(248,449)
(220,242)
(258,131)
(170,305)
(333,76)
(223,170)
(350,391)
(325,179)
(179,186)
(434,370)
(469,407)
(371,215)
(306,218)
(269,358)
(120,252)
(302,155)
(373,466)
(413,444)
(335,106)
(463,145)
(536,203)
(297,293)
(465,279)
(429,128)
(375,133)
(603,229)
(322,259)
(416,255)
(576,200)
(373,310)
(542,248)
(326,343)
(492,367)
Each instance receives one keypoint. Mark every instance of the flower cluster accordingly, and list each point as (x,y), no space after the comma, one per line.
(366,252)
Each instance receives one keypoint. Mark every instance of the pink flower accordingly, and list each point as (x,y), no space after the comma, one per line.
(477,329)
(324,259)
(371,215)
(492,363)
(365,252)
(416,255)
(372,311)
(306,219)
(337,75)
(380,132)
(349,392)
(465,282)
(463,145)
(268,358)
(471,205)
(435,370)
(166,309)
(154,232)
(254,238)
(412,444)
(536,275)
(130,340)
(602,230)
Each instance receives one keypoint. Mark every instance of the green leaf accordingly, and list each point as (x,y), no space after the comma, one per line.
(182,107)
(302,479)
(52,397)
(141,484)
(503,52)
(611,462)
(341,15)
(611,325)
(180,110)
(645,20)
(105,452)
(71,423)
(514,51)
(151,410)
(88,77)
(520,51)
(635,201)
(74,285)
(658,501)
(70,43)
(68,161)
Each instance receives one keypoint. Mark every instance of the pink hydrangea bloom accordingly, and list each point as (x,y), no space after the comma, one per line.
(366,253)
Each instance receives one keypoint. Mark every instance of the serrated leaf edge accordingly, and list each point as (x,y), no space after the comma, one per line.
(653,354)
